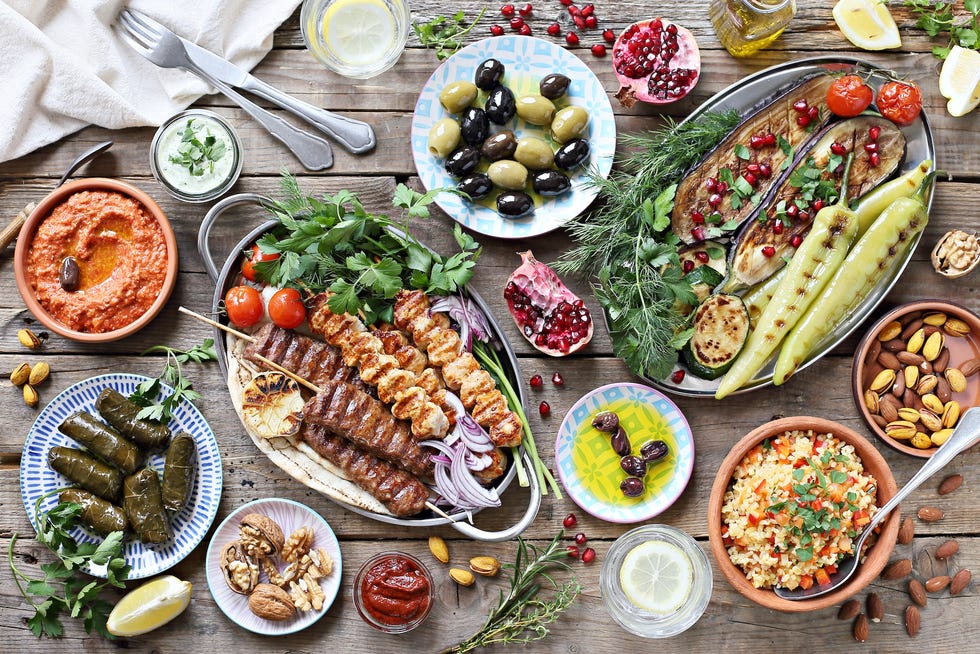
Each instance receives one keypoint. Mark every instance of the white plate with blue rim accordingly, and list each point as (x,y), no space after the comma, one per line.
(290,516)
(189,525)
(526,60)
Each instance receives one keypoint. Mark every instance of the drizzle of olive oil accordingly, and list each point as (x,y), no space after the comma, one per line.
(746,26)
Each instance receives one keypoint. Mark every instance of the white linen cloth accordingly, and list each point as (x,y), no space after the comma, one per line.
(63,67)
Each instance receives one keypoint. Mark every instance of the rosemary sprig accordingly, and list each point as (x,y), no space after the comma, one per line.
(521,616)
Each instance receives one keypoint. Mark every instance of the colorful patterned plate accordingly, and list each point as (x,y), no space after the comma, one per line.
(527,60)
(589,468)
(289,515)
(189,525)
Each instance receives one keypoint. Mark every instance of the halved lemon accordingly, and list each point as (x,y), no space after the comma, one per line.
(358,32)
(867,24)
(657,577)
(149,606)
(959,80)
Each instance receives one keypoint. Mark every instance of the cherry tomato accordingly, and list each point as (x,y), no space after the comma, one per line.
(848,96)
(900,102)
(244,305)
(257,255)
(286,308)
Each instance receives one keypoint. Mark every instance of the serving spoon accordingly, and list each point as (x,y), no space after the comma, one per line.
(965,436)
(10,232)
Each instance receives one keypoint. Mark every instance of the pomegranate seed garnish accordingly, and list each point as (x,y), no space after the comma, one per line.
(544,409)
(813,113)
(874,132)
(580,538)
(722,187)
(750,178)
(570,521)
(804,216)
(599,50)
(687,266)
(572,551)
(870,147)
(765,170)
(714,199)
(838,149)
(525,30)
(516,23)
(677,376)
(588,556)
(711,185)
(591,21)
(574,11)
(507,10)
(796,241)
(768,251)
(608,36)
(571,38)
(777,227)
(536,381)
(566,2)
(792,210)
(554,29)
(702,256)
(698,233)
(803,121)
(801,106)
(526,10)
(769,139)
(496,30)
(874,159)
(753,168)
(588,10)
(697,217)
(756,141)
(579,21)
(557,379)
(817,204)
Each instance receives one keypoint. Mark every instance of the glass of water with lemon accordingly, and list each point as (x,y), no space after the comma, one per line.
(655,581)
(356,38)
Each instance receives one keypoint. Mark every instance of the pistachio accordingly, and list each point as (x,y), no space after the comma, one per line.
(941,436)
(930,420)
(956,327)
(933,403)
(462,577)
(956,379)
(890,331)
(30,396)
(39,373)
(927,384)
(883,381)
(900,430)
(921,441)
(951,413)
(911,374)
(870,400)
(487,566)
(916,341)
(28,338)
(22,374)
(439,549)
(908,414)
(936,319)
(934,345)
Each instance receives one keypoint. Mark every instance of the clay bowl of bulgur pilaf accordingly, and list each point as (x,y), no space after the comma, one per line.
(787,503)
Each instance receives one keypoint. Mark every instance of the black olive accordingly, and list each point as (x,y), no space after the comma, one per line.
(501,145)
(632,487)
(69,274)
(475,185)
(488,74)
(501,105)
(572,155)
(551,182)
(606,421)
(462,161)
(633,466)
(654,451)
(474,126)
(620,441)
(514,204)
(553,86)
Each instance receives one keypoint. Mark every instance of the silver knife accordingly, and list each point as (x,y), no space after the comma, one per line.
(354,135)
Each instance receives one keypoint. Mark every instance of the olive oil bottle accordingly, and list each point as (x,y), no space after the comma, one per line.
(746,26)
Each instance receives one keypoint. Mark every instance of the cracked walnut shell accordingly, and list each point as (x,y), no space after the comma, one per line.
(260,536)
(271,602)
(240,573)
(956,254)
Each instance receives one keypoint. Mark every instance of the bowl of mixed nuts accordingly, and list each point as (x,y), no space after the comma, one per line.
(916,371)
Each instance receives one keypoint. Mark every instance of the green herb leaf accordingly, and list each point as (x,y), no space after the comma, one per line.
(196,155)
(146,392)
(742,152)
(445,34)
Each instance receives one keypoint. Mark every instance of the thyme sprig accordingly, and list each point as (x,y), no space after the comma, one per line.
(521,616)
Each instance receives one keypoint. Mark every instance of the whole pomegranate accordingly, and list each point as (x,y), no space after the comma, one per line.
(551,317)
(655,61)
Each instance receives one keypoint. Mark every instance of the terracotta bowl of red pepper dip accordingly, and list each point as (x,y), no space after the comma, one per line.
(96,261)
(393,592)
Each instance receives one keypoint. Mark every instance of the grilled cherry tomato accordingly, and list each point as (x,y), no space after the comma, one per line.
(286,308)
(257,255)
(848,96)
(244,305)
(900,102)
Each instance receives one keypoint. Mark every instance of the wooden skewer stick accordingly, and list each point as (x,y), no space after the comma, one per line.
(275,366)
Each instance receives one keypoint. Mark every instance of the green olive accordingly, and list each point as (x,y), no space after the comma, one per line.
(535,109)
(569,123)
(458,96)
(508,174)
(534,153)
(443,137)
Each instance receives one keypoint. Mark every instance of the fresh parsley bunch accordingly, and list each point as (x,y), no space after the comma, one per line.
(146,392)
(937,18)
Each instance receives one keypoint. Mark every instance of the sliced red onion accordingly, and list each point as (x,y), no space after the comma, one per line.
(467,429)
(456,482)
(472,322)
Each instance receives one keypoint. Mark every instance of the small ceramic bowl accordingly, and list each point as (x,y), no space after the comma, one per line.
(380,561)
(873,353)
(25,241)
(876,556)
(200,183)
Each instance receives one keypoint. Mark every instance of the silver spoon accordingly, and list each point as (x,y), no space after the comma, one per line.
(965,436)
(10,232)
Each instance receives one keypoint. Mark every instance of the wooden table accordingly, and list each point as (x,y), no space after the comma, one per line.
(731,623)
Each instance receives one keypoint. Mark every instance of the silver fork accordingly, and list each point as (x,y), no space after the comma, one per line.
(164,49)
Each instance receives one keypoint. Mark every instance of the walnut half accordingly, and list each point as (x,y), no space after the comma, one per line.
(260,536)
(240,572)
(956,254)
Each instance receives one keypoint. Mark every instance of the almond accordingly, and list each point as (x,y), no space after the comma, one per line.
(917,592)
(970,367)
(950,484)
(937,583)
(906,531)
(861,628)
(912,620)
(897,569)
(960,581)
(876,610)
(947,549)
(930,514)
(849,609)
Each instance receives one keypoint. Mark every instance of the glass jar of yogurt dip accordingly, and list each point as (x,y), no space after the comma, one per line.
(196,155)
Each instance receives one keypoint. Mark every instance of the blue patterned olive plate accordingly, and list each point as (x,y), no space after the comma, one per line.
(189,525)
(630,467)
(526,61)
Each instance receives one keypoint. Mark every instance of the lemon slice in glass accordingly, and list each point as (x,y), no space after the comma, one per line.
(149,606)
(358,32)
(657,577)
(959,80)
(867,24)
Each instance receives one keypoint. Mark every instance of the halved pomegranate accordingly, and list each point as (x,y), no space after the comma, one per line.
(550,317)
(655,61)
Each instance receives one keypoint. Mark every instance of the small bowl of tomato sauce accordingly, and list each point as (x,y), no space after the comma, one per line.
(393,592)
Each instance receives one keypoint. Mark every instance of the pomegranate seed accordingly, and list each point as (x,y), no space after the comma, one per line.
(525,30)
(536,381)
(570,521)
(554,29)
(803,121)
(813,113)
(608,36)
(572,551)
(801,106)
(697,217)
(792,210)
(711,185)
(753,168)
(544,409)
(838,149)
(804,216)
(817,204)
(756,141)
(588,556)
(701,256)
(526,10)
(677,376)
(687,266)
(599,50)
(580,538)
(874,159)
(574,11)
(571,38)
(714,199)
(557,379)
(722,187)
(750,178)
(496,30)
(698,233)
(591,21)
(769,139)
(777,227)
(870,147)
(516,23)
(874,132)
(796,241)
(566,2)
(768,251)
(507,10)
(765,170)
(588,10)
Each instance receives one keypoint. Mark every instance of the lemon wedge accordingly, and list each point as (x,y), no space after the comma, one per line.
(358,32)
(959,80)
(657,577)
(149,606)
(867,24)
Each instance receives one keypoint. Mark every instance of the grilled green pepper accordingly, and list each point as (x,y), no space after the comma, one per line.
(178,470)
(102,441)
(121,413)
(86,471)
(144,506)
(102,516)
